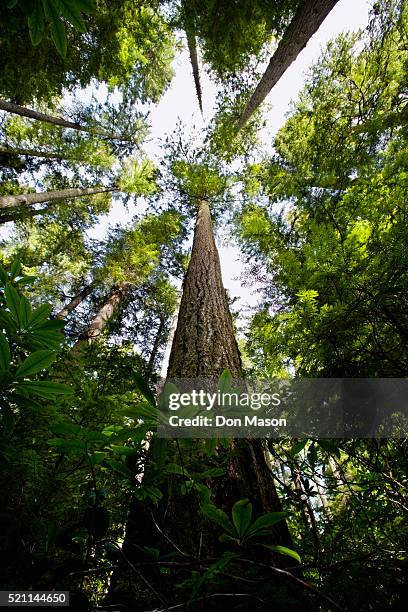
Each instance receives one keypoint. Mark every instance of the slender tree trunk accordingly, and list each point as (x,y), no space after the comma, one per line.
(105,313)
(155,347)
(29,199)
(306,21)
(189,29)
(76,301)
(204,345)
(10,107)
(42,154)
(192,48)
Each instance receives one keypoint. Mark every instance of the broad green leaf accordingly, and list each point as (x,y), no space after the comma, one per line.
(173,468)
(24,402)
(211,473)
(123,450)
(25,311)
(241,516)
(45,388)
(283,550)
(53,324)
(66,428)
(214,514)
(5,356)
(119,467)
(73,14)
(97,457)
(225,381)
(40,315)
(15,268)
(25,280)
(67,445)
(8,322)
(36,24)
(330,447)
(13,302)
(59,37)
(39,338)
(86,6)
(298,446)
(265,521)
(144,388)
(40,360)
(3,276)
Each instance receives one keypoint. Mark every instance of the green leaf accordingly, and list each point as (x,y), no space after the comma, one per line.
(283,550)
(5,355)
(86,6)
(11,4)
(8,322)
(73,14)
(3,276)
(330,447)
(265,521)
(298,446)
(40,360)
(45,388)
(241,516)
(212,473)
(25,280)
(67,446)
(15,268)
(66,429)
(143,387)
(13,302)
(159,448)
(124,450)
(25,311)
(120,467)
(225,381)
(22,401)
(173,468)
(97,457)
(40,315)
(57,27)
(59,37)
(36,24)
(53,324)
(47,338)
(214,514)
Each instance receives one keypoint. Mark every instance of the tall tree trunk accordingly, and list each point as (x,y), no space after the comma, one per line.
(10,107)
(189,28)
(106,312)
(76,301)
(155,347)
(306,21)
(42,154)
(204,345)
(29,199)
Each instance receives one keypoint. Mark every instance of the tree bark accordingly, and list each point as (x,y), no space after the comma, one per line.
(76,300)
(204,346)
(15,109)
(155,347)
(30,199)
(107,310)
(42,154)
(306,21)
(204,343)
